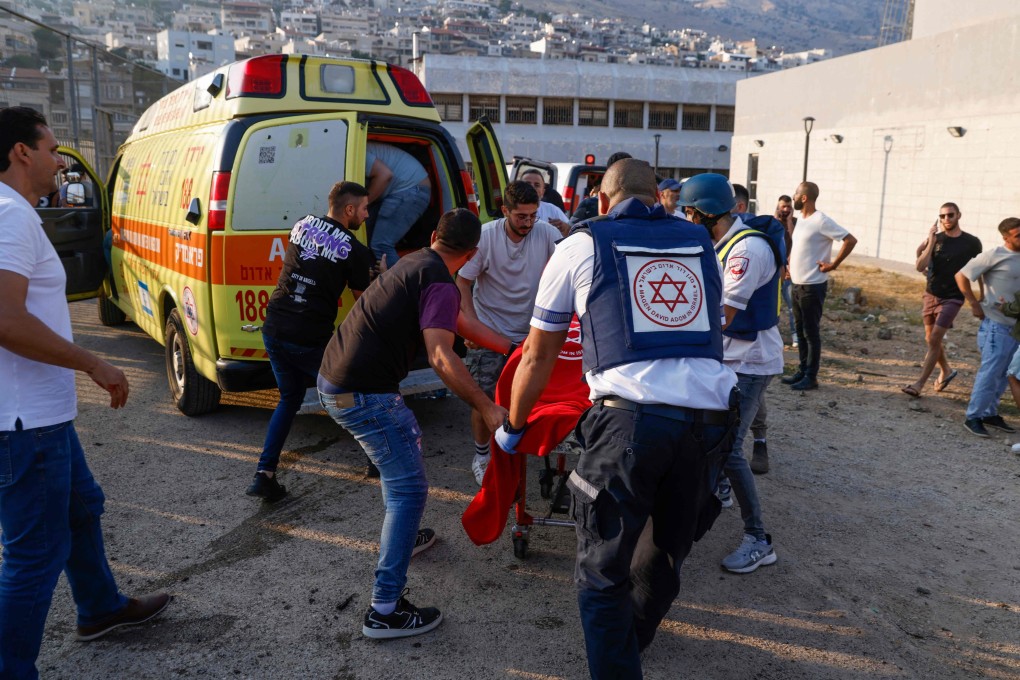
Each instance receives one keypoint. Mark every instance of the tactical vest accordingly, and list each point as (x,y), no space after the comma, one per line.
(762,310)
(655,293)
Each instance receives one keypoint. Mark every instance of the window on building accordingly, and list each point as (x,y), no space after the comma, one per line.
(724,118)
(204,45)
(697,117)
(752,182)
(483,105)
(661,116)
(628,115)
(449,106)
(557,111)
(522,110)
(593,113)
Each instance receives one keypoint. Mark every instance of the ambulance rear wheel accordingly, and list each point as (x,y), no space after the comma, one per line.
(192,393)
(109,313)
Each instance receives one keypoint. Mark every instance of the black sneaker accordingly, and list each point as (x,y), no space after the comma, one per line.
(267,488)
(998,423)
(805,384)
(791,379)
(426,539)
(975,427)
(405,621)
(760,458)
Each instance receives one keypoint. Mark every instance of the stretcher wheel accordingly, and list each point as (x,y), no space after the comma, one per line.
(520,547)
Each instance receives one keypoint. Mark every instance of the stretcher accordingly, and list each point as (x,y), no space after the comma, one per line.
(549,431)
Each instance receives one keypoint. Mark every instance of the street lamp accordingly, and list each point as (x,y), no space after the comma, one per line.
(809,123)
(657,138)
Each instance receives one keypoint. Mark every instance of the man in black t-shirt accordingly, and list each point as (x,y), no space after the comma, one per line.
(941,256)
(322,259)
(415,303)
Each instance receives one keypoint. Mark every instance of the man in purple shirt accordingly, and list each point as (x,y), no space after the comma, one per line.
(413,304)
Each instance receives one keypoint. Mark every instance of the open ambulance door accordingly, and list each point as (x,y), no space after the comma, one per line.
(489,169)
(74,217)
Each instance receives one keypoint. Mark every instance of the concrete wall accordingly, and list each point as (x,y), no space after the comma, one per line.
(576,79)
(897,163)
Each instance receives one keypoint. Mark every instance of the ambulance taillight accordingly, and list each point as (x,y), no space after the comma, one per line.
(409,87)
(218,191)
(469,189)
(568,199)
(257,77)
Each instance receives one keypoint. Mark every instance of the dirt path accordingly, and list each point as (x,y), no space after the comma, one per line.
(899,549)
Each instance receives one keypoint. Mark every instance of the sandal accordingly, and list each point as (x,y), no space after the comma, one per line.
(909,389)
(943,384)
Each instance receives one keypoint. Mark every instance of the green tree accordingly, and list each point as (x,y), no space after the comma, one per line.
(48,44)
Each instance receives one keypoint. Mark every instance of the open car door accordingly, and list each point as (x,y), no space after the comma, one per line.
(74,218)
(489,169)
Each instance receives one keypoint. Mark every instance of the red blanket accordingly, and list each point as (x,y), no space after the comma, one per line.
(562,402)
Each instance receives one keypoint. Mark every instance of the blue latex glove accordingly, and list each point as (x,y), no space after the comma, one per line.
(507,438)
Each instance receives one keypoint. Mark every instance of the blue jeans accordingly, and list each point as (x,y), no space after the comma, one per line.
(49,514)
(738,472)
(296,368)
(641,495)
(997,347)
(808,302)
(397,215)
(390,435)
(789,306)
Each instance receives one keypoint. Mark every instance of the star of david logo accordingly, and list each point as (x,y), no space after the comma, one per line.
(667,282)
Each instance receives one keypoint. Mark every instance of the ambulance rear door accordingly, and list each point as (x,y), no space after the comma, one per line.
(283,169)
(489,169)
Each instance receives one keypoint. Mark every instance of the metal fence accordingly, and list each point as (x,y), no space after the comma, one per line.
(91,95)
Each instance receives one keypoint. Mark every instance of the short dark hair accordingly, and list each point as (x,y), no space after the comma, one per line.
(459,229)
(1008,225)
(618,156)
(784,199)
(952,205)
(742,194)
(343,193)
(18,124)
(520,193)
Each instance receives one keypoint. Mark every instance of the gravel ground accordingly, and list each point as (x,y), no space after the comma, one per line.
(896,534)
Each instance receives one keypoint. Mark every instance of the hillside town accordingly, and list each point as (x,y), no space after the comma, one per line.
(190,40)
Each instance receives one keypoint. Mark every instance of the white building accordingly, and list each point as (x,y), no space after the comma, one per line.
(561,110)
(898,130)
(185,55)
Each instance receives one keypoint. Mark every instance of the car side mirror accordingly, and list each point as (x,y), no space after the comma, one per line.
(75,194)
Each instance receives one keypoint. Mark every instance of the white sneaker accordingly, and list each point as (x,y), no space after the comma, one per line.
(750,554)
(478,466)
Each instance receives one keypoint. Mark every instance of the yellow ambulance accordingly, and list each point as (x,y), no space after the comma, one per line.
(201,197)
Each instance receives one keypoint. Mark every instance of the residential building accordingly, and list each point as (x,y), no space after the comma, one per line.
(185,55)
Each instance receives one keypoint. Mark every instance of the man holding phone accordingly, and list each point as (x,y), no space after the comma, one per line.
(941,256)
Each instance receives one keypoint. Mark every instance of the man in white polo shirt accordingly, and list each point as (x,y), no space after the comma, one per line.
(810,264)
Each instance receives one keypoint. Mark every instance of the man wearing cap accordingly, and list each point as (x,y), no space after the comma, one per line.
(669,192)
(661,421)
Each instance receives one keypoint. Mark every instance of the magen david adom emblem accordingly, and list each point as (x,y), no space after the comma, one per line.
(668,293)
